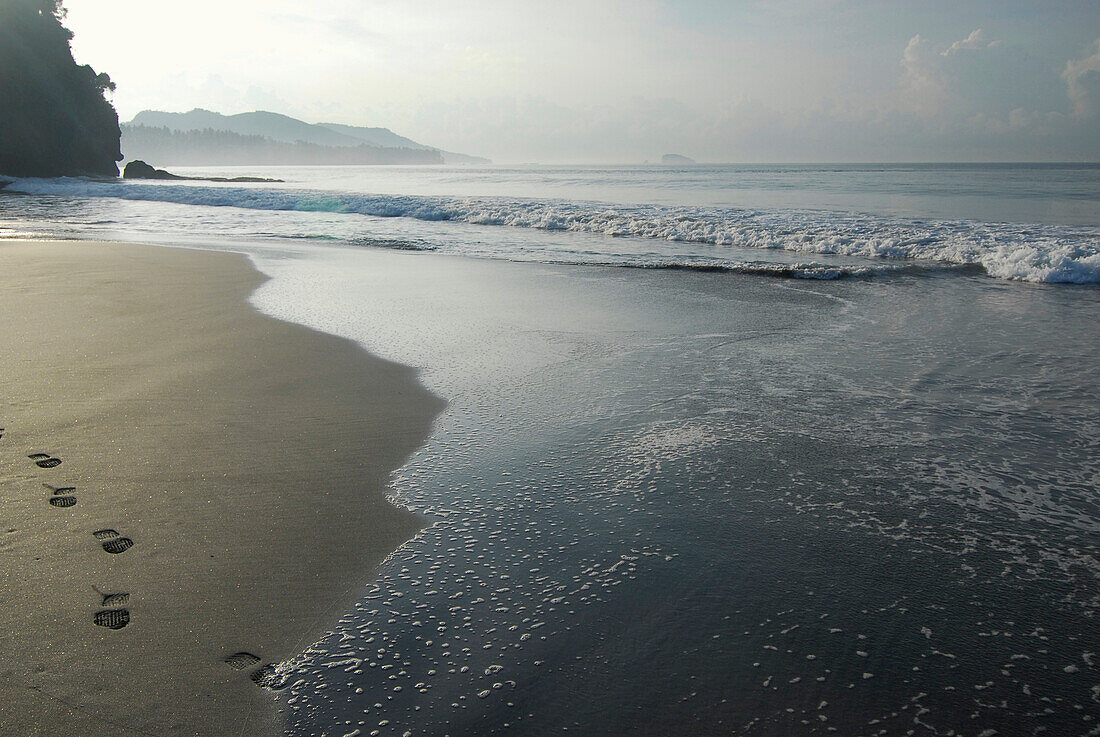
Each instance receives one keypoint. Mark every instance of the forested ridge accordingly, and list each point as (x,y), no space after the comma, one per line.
(219,147)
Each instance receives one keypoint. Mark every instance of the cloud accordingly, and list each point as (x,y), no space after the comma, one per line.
(974,77)
(1083,78)
(615,80)
(975,41)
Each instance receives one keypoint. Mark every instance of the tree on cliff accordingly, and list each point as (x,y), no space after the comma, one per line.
(54,118)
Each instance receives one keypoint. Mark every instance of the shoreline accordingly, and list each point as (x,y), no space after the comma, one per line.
(216,464)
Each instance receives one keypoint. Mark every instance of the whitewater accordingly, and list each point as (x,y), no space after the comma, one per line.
(1028,223)
(678,498)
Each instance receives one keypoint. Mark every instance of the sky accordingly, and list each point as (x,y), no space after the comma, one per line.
(616,81)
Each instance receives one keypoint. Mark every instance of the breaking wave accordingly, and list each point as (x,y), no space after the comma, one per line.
(1036,253)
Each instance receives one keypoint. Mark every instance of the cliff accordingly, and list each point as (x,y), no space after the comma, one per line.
(54,118)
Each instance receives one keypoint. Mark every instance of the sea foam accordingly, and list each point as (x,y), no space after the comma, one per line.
(1028,252)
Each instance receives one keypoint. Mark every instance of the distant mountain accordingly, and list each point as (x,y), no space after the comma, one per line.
(209,147)
(450,157)
(283,129)
(383,137)
(268,125)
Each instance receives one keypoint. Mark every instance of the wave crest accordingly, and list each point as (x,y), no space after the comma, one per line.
(1037,253)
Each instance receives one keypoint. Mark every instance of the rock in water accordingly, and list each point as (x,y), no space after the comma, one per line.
(53,114)
(138,169)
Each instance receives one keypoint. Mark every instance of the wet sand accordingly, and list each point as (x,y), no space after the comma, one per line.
(220,492)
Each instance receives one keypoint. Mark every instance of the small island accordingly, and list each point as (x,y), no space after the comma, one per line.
(676,160)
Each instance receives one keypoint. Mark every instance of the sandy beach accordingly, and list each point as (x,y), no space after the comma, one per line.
(185,482)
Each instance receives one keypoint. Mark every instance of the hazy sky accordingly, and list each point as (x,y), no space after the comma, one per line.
(616,81)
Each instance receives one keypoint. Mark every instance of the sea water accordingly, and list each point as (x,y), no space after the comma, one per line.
(1027,222)
(686,499)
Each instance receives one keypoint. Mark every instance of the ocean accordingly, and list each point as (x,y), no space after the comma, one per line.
(759,450)
(1028,222)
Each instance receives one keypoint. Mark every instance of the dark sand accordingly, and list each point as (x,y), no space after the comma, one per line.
(246,459)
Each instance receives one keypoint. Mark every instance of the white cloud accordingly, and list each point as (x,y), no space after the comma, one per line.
(976,40)
(974,77)
(616,80)
(1083,78)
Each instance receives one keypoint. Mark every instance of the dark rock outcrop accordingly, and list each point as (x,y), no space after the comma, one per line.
(138,169)
(54,117)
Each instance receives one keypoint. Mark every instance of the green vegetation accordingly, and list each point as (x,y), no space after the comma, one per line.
(54,118)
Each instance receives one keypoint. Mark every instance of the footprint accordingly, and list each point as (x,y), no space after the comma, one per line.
(268,677)
(44,460)
(242,660)
(118,545)
(112,543)
(112,600)
(61,497)
(114,619)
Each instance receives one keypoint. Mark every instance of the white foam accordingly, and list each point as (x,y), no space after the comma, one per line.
(1037,253)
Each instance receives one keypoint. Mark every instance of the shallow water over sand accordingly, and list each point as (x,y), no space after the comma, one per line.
(674,503)
(669,501)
